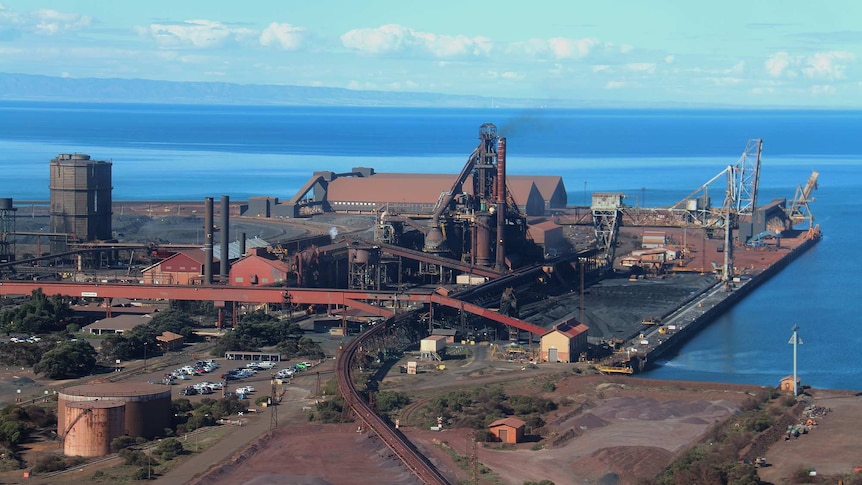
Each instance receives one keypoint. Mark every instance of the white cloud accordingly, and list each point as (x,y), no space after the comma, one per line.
(647,67)
(827,65)
(777,63)
(44,21)
(737,68)
(601,67)
(563,48)
(614,84)
(193,33)
(52,21)
(286,36)
(393,38)
(669,59)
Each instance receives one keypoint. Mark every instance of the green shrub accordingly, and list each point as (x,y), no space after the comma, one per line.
(50,463)
(121,442)
(169,448)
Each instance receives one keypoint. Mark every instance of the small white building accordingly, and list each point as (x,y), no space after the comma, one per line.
(431,347)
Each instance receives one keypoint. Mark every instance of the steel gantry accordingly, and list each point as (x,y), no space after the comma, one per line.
(374,302)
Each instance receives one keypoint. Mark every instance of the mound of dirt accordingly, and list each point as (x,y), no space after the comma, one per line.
(621,464)
(588,421)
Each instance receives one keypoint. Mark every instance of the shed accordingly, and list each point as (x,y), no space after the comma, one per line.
(170,340)
(449,333)
(508,430)
(431,347)
(565,342)
(654,239)
(787,383)
(434,343)
(119,324)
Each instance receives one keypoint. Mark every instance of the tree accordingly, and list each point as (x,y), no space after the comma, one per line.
(67,360)
(40,314)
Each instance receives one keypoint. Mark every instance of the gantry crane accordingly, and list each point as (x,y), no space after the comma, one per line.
(740,194)
(799,209)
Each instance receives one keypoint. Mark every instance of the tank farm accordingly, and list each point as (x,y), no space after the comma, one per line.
(479,253)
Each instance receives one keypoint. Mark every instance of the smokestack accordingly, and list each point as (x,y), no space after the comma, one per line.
(224,266)
(500,264)
(241,244)
(208,240)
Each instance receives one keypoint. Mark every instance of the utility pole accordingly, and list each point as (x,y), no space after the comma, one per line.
(795,340)
(273,404)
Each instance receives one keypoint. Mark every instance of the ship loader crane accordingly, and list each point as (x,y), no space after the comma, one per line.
(799,210)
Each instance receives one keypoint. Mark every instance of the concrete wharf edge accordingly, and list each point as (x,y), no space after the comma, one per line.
(673,341)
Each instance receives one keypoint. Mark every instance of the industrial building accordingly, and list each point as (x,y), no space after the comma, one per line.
(80,191)
(508,430)
(363,190)
(147,407)
(565,342)
(180,268)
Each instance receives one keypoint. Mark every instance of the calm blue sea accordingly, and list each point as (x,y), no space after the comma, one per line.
(656,157)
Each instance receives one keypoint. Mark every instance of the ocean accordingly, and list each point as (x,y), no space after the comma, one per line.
(655,157)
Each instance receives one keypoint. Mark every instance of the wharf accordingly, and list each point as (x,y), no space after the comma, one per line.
(639,352)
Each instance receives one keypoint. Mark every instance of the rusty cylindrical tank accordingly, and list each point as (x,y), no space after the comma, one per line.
(148,406)
(90,426)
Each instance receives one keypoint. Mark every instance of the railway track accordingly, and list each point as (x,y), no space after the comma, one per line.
(392,438)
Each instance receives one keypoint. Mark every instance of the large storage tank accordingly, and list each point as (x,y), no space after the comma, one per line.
(147,406)
(80,199)
(90,426)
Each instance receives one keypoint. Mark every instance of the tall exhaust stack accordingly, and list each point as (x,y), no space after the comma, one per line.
(224,265)
(500,263)
(208,240)
(241,244)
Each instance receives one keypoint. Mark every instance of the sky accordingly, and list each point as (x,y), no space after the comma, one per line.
(776,53)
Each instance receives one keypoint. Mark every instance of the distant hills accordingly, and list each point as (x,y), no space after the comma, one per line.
(46,88)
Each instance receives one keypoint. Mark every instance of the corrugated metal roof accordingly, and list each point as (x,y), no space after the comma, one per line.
(545,226)
(570,330)
(426,188)
(510,421)
(122,322)
(391,187)
(547,184)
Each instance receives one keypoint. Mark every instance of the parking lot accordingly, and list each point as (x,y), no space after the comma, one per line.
(218,378)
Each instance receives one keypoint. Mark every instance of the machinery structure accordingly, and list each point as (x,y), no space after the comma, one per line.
(740,193)
(7,230)
(80,200)
(800,210)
